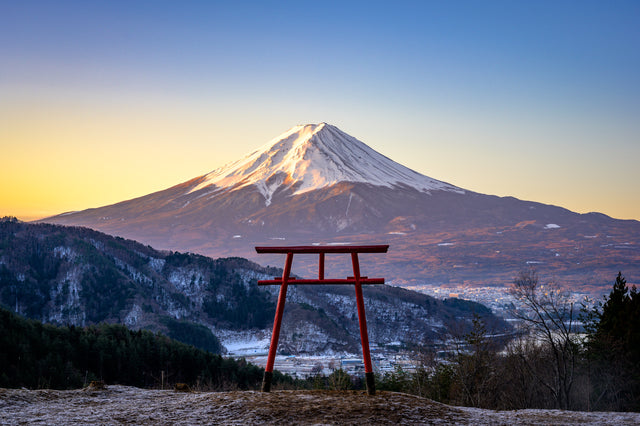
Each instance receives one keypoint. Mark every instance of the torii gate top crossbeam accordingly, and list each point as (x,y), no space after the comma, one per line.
(322,250)
(379,248)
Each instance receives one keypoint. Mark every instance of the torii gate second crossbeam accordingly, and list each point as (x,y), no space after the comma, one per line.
(357,280)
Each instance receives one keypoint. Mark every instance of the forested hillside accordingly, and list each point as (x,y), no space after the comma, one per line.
(36,355)
(77,276)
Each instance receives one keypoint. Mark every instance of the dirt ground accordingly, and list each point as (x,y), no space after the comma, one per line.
(122,405)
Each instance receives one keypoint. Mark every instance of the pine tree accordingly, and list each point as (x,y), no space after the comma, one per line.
(613,347)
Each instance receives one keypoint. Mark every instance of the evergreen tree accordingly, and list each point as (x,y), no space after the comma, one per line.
(613,348)
(36,355)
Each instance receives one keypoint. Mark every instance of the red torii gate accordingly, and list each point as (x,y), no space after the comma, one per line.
(357,280)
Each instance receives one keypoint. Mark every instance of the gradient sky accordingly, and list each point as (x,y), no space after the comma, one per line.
(102,101)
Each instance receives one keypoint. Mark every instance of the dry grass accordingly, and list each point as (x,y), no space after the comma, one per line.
(122,405)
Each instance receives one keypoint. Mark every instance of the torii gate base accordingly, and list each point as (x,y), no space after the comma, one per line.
(357,281)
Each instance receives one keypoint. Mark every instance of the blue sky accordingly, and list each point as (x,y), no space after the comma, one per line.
(102,101)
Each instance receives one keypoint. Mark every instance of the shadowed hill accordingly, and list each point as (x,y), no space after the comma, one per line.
(77,276)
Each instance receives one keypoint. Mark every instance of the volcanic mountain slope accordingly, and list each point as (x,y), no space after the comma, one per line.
(316,184)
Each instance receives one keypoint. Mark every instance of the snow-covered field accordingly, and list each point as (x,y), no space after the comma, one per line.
(117,405)
(250,345)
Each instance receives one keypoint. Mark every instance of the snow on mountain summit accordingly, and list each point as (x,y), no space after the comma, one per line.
(315,156)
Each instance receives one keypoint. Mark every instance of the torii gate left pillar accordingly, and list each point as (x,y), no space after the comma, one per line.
(357,281)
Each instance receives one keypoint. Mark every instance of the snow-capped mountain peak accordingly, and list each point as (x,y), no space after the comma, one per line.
(315,156)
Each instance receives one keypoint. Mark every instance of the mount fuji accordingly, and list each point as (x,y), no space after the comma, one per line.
(317,184)
(312,157)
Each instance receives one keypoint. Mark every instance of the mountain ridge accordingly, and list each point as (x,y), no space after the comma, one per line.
(78,276)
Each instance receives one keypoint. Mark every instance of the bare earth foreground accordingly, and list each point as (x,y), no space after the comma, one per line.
(116,405)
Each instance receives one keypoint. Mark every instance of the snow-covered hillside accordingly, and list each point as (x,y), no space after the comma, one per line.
(314,156)
(99,278)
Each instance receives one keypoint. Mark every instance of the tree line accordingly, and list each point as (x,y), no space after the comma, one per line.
(565,357)
(36,355)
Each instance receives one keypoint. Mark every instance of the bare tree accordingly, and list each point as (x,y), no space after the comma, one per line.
(317,369)
(548,316)
(476,367)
